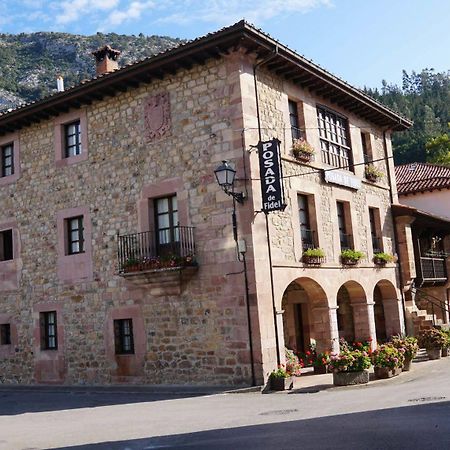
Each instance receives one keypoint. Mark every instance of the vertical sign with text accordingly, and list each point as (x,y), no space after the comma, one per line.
(271,176)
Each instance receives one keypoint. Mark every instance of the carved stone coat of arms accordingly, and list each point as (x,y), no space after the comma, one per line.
(157,116)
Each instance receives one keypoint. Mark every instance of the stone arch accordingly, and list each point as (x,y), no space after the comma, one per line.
(355,314)
(387,310)
(306,316)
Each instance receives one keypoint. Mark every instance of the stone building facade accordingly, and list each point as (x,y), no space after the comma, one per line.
(117,257)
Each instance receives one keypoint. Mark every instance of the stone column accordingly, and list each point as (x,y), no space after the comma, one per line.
(392,315)
(364,320)
(325,329)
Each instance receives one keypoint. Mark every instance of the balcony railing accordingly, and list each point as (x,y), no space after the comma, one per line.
(433,269)
(168,248)
(346,241)
(308,238)
(376,244)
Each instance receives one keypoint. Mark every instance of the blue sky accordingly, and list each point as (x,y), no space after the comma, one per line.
(361,41)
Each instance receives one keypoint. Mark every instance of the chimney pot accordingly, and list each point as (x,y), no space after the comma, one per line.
(106,59)
(59,83)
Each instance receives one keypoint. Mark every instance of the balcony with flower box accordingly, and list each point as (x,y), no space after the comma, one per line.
(162,259)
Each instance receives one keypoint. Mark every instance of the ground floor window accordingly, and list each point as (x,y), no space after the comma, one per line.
(5,334)
(49,340)
(123,336)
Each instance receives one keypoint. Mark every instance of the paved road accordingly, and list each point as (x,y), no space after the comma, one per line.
(411,411)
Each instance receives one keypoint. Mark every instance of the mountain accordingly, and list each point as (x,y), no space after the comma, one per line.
(30,63)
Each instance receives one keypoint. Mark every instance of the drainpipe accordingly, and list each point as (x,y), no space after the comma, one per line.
(397,249)
(256,66)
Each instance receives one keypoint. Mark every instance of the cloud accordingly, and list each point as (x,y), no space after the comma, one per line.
(223,12)
(133,12)
(72,11)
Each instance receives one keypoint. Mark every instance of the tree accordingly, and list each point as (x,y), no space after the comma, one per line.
(438,149)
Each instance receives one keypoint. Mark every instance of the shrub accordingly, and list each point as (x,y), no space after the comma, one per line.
(314,252)
(322,360)
(279,373)
(387,355)
(383,257)
(350,361)
(408,343)
(432,338)
(293,366)
(372,171)
(352,255)
(301,146)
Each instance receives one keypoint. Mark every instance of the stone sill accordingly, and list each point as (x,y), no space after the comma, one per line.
(333,266)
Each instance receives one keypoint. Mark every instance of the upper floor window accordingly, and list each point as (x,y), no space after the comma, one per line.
(75,235)
(306,231)
(345,236)
(367,148)
(294,120)
(167,226)
(7,160)
(123,336)
(72,139)
(375,230)
(334,139)
(6,245)
(5,334)
(49,339)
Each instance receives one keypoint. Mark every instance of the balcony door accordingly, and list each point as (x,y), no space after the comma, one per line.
(167,231)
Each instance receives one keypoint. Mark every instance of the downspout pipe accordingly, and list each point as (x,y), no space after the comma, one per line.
(266,215)
(396,245)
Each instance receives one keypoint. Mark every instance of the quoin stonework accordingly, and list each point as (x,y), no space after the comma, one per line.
(118,262)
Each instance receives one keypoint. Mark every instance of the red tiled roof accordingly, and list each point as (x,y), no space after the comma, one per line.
(419,177)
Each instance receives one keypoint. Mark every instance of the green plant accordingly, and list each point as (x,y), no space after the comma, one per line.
(407,343)
(322,360)
(446,333)
(383,257)
(352,255)
(279,373)
(129,262)
(293,366)
(386,355)
(301,146)
(432,338)
(372,172)
(314,253)
(350,361)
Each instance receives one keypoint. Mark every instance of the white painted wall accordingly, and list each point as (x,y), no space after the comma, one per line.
(434,202)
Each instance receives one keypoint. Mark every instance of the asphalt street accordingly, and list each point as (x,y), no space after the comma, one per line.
(411,411)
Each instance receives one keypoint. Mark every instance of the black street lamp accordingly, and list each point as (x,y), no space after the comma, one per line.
(225,175)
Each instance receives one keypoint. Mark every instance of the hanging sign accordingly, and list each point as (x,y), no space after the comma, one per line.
(271,176)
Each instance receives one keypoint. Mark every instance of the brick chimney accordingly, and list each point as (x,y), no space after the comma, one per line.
(106,59)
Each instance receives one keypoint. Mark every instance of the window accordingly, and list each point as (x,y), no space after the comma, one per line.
(72,139)
(374,219)
(167,230)
(293,119)
(367,148)
(6,245)
(123,336)
(5,334)
(49,340)
(307,234)
(345,238)
(75,235)
(7,160)
(334,140)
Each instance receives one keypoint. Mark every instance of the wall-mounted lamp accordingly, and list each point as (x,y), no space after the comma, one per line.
(225,175)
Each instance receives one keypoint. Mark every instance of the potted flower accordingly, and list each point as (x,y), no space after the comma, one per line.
(387,360)
(410,347)
(131,265)
(313,256)
(432,340)
(446,346)
(381,258)
(350,367)
(302,150)
(280,379)
(372,173)
(351,257)
(293,366)
(321,363)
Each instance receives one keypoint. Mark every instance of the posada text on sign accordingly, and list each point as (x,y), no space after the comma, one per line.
(271,176)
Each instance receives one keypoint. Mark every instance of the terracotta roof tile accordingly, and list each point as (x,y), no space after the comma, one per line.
(419,177)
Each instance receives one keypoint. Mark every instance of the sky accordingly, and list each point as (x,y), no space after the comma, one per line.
(361,41)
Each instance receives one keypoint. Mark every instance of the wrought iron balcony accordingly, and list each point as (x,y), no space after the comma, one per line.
(346,241)
(151,250)
(308,238)
(432,269)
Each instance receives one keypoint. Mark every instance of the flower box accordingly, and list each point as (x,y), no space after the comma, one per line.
(320,370)
(372,177)
(407,364)
(379,261)
(434,353)
(349,261)
(313,260)
(281,384)
(350,378)
(302,156)
(444,352)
